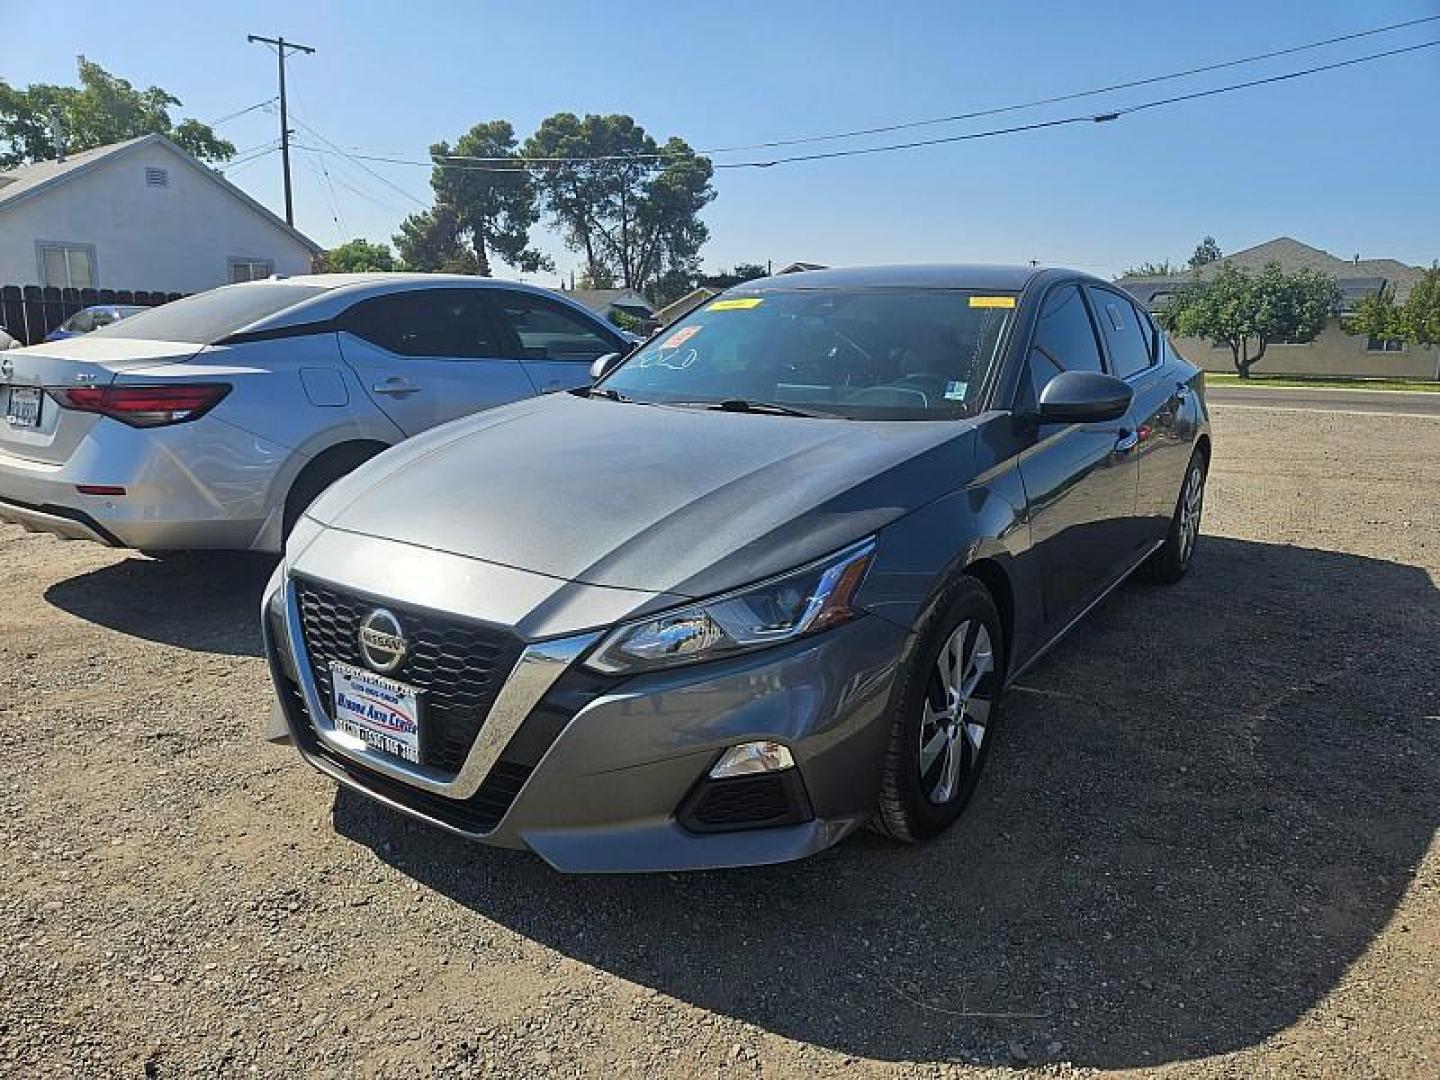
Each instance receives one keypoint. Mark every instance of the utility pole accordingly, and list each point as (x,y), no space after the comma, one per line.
(281,45)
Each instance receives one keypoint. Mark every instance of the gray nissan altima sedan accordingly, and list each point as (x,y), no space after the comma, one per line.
(763,583)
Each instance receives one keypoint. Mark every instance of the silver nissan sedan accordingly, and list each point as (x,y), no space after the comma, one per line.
(761,584)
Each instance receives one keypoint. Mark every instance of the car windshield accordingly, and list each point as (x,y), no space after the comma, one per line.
(207,317)
(880,353)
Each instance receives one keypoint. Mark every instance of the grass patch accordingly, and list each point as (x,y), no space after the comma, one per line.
(1215,378)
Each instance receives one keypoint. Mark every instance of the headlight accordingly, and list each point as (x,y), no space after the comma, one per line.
(804,601)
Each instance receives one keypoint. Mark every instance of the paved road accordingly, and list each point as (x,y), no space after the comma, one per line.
(1351,401)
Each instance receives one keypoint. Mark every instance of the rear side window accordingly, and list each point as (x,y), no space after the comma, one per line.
(208,317)
(449,324)
(1064,341)
(541,329)
(1127,337)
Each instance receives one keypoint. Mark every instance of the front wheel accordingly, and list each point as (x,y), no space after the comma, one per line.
(1172,558)
(945,708)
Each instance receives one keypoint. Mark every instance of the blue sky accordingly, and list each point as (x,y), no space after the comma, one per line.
(1348,160)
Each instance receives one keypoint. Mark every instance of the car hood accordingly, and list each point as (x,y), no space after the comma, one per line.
(682,501)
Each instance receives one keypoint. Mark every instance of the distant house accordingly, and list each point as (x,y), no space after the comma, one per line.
(139,214)
(605,301)
(1334,352)
(800,268)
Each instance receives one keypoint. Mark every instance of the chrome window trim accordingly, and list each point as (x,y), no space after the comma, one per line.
(539,666)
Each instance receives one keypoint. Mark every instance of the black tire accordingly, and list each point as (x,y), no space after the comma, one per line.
(330,466)
(1173,558)
(908,809)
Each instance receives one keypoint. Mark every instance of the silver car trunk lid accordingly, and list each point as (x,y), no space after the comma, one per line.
(79,361)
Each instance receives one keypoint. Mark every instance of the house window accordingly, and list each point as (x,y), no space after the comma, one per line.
(1389,344)
(250,269)
(66,266)
(157,177)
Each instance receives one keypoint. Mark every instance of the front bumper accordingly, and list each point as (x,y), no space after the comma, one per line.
(597,774)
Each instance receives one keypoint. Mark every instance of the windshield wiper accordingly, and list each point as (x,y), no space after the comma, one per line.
(606,392)
(743,405)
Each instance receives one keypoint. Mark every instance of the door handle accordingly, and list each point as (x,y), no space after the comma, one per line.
(1127,441)
(395,387)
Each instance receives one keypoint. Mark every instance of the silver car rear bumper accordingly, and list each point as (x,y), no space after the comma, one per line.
(68,526)
(202,485)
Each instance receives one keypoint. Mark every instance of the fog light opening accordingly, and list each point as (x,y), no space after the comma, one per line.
(753,758)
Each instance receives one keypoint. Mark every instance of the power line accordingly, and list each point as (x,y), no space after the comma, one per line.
(241,112)
(1075,95)
(1084,118)
(326,189)
(1092,118)
(355,159)
(271,143)
(954,118)
(235,166)
(368,195)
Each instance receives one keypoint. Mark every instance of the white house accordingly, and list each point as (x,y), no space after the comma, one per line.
(139,214)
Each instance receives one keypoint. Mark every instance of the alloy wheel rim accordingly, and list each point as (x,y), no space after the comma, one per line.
(1190,505)
(956,715)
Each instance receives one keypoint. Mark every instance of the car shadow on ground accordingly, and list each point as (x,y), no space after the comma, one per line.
(202,601)
(1203,806)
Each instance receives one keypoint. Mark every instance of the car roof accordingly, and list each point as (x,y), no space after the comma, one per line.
(1000,277)
(336,292)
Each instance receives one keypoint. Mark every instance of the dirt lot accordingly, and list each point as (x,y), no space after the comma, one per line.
(1206,843)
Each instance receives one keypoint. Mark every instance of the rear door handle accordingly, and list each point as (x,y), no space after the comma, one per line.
(1127,441)
(396,387)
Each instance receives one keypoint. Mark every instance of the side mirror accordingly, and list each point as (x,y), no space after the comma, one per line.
(603,365)
(1084,397)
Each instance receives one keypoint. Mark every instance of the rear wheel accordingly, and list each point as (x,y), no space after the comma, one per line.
(1172,558)
(946,706)
(332,465)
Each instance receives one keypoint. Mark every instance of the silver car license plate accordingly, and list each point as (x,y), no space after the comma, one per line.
(380,712)
(23,409)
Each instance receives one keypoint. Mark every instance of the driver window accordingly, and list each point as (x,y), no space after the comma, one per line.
(1064,341)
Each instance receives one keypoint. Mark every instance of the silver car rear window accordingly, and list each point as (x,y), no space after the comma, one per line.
(207,317)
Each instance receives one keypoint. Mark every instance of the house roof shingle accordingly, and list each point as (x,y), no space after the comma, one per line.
(1356,277)
(27,180)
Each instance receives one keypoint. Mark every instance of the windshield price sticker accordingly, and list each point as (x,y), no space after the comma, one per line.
(740,303)
(992,301)
(679,337)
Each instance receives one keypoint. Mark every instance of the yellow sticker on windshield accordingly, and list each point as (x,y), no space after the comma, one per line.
(992,301)
(744,303)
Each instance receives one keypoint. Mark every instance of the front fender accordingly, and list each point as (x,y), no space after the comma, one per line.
(917,556)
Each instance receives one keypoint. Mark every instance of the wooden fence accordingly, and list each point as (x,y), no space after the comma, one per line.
(29,312)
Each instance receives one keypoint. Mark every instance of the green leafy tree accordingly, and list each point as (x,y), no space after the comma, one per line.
(633,214)
(625,321)
(483,208)
(355,257)
(102,109)
(1246,310)
(741,273)
(1416,321)
(1164,268)
(1422,310)
(1377,316)
(1206,252)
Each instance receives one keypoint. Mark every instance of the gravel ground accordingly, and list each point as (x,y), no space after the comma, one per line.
(1205,844)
